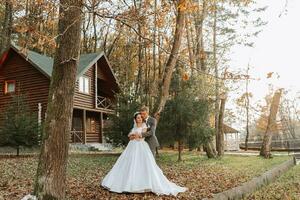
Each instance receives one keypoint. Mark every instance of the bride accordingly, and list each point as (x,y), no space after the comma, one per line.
(136,170)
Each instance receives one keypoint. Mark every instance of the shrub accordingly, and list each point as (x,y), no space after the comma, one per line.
(122,121)
(20,127)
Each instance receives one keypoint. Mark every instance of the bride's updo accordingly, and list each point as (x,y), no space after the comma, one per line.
(135,115)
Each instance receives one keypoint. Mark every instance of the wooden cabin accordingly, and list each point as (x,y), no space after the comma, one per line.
(94,97)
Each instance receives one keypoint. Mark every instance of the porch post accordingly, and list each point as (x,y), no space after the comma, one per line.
(96,84)
(84,127)
(39,118)
(101,129)
(237,141)
(39,114)
(226,142)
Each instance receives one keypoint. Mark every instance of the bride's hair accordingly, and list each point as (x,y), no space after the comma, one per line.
(134,118)
(136,114)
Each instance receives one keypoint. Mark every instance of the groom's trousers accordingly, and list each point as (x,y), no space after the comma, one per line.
(153,151)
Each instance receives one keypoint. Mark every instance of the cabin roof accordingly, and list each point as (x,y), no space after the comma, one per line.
(45,64)
(228,129)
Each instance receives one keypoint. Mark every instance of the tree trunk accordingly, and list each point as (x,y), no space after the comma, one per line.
(200,54)
(18,151)
(210,150)
(191,54)
(153,82)
(160,58)
(179,150)
(247,130)
(220,136)
(104,43)
(209,147)
(6,27)
(164,93)
(139,83)
(110,50)
(94,26)
(265,150)
(247,111)
(147,77)
(190,148)
(51,173)
(85,27)
(216,71)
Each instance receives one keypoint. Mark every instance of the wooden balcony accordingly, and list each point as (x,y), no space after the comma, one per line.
(104,103)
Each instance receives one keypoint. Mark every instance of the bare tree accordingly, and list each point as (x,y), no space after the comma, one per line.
(289,118)
(247,106)
(94,5)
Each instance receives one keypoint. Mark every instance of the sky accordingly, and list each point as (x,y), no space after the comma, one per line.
(276,49)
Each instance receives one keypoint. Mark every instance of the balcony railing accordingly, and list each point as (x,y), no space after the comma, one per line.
(76,136)
(104,102)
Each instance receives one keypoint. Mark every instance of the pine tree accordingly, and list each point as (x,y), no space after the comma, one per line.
(20,127)
(184,119)
(122,122)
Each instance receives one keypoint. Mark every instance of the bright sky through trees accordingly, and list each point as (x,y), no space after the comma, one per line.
(275,49)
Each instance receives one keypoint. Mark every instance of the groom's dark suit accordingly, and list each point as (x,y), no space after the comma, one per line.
(149,136)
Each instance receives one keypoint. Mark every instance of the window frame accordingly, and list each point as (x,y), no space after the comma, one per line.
(6,82)
(89,86)
(91,126)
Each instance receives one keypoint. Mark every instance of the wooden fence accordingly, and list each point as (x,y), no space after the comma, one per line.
(277,145)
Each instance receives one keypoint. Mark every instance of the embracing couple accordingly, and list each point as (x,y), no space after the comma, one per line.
(136,170)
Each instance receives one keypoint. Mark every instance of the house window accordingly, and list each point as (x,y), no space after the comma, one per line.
(91,125)
(84,84)
(9,86)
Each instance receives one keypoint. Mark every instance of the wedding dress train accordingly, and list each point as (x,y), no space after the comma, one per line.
(136,172)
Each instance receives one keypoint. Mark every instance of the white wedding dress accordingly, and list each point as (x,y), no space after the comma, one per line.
(136,171)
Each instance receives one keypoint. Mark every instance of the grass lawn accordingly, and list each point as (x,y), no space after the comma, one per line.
(286,187)
(203,177)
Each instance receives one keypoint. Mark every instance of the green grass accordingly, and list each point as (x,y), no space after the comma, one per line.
(255,165)
(202,176)
(285,187)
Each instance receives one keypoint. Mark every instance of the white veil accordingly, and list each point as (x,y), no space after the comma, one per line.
(134,123)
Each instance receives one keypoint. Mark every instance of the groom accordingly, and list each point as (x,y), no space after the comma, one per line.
(149,136)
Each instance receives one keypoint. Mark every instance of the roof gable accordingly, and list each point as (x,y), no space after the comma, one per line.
(45,63)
